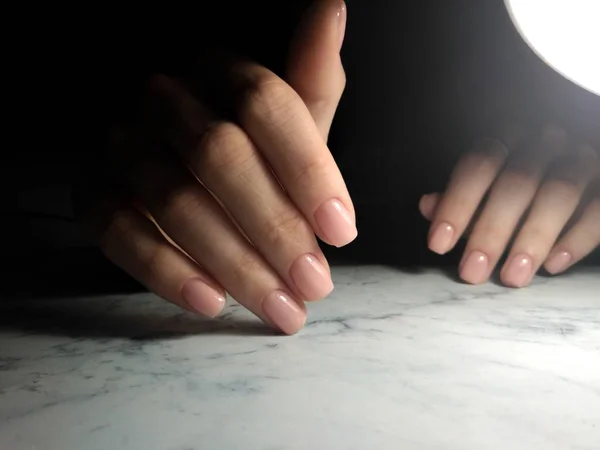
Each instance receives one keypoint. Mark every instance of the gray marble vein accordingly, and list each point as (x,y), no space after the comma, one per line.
(391,360)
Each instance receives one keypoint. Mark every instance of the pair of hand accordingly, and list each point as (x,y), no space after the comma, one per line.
(227,178)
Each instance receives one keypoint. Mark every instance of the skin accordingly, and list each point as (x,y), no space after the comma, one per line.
(236,205)
(539,202)
(195,205)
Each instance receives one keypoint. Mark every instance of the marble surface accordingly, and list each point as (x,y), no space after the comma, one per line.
(392,360)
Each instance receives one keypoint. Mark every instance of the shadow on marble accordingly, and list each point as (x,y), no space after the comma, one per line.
(93,319)
(73,316)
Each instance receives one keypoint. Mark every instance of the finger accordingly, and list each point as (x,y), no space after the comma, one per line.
(554,204)
(193,219)
(428,205)
(468,185)
(508,200)
(229,165)
(132,242)
(278,122)
(314,68)
(580,240)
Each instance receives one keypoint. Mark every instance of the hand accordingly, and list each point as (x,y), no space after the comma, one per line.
(210,203)
(544,193)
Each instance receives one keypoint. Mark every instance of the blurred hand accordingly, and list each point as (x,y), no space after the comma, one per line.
(227,179)
(541,192)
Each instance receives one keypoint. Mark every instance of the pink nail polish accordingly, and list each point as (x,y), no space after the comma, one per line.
(202,298)
(476,268)
(558,262)
(519,271)
(336,223)
(342,17)
(442,238)
(311,278)
(284,312)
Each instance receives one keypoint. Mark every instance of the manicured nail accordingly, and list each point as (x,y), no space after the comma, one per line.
(342,17)
(284,312)
(202,298)
(476,268)
(311,278)
(442,238)
(336,223)
(558,262)
(519,271)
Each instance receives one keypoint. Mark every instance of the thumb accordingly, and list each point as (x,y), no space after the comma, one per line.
(314,68)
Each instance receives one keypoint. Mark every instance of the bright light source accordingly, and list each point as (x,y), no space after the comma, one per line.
(565,34)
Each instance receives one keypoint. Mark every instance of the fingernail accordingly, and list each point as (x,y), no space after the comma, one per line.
(336,223)
(519,271)
(203,298)
(558,262)
(311,278)
(475,269)
(442,238)
(342,18)
(284,312)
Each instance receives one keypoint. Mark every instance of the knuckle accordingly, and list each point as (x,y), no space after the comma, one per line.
(564,191)
(118,227)
(312,169)
(488,151)
(479,161)
(247,265)
(153,261)
(269,98)
(176,203)
(514,182)
(325,98)
(279,230)
(225,149)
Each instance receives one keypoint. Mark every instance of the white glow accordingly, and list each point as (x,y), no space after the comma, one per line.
(565,34)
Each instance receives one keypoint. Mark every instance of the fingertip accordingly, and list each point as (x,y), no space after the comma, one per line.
(284,313)
(442,238)
(336,223)
(202,298)
(558,262)
(428,204)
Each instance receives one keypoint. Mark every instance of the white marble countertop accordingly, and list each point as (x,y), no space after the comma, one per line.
(390,361)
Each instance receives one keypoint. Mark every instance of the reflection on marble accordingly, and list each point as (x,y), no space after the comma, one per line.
(391,360)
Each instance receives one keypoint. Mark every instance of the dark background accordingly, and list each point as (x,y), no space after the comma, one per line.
(424,79)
